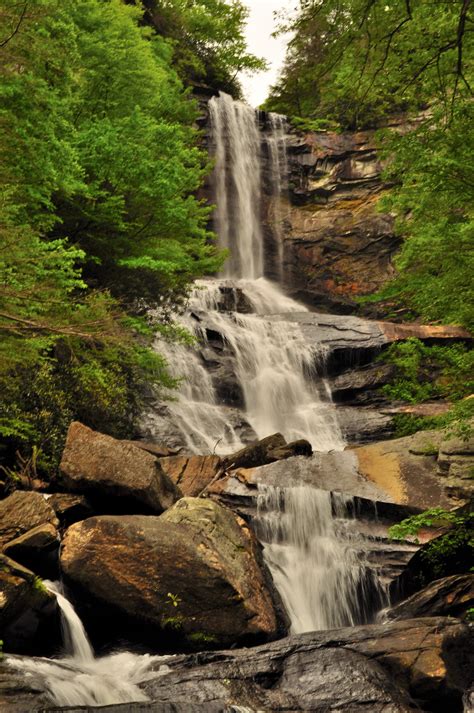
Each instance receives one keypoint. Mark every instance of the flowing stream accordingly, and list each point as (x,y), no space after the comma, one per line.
(79,678)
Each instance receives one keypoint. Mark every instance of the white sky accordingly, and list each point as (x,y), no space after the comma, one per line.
(261,24)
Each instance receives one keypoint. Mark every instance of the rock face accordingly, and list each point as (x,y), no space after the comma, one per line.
(428,469)
(23,511)
(28,612)
(193,572)
(191,474)
(451,596)
(101,466)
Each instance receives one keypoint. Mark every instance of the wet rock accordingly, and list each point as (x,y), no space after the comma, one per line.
(28,611)
(192,474)
(440,557)
(364,425)
(422,664)
(194,572)
(108,469)
(70,507)
(302,447)
(361,386)
(376,668)
(255,454)
(451,596)
(23,511)
(20,693)
(37,550)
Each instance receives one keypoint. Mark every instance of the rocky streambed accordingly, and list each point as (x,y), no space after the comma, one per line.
(182,569)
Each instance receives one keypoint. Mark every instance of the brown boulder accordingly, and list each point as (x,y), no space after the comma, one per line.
(194,572)
(451,596)
(257,453)
(104,467)
(27,608)
(23,511)
(192,474)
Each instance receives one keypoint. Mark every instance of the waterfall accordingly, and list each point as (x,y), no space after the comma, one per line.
(277,150)
(75,638)
(80,679)
(236,137)
(317,558)
(277,373)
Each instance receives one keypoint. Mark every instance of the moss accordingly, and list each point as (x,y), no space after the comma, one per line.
(39,586)
(199,637)
(173,622)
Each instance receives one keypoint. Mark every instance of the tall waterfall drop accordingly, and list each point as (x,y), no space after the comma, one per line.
(240,320)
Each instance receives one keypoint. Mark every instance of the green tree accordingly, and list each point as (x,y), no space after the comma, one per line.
(98,181)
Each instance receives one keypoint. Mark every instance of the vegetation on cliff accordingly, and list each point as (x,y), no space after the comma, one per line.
(353,64)
(99,215)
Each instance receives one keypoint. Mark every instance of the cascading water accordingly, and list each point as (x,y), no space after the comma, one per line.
(277,150)
(236,136)
(81,679)
(276,370)
(317,558)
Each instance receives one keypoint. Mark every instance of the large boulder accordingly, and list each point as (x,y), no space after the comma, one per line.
(23,511)
(192,474)
(450,596)
(194,572)
(28,611)
(112,471)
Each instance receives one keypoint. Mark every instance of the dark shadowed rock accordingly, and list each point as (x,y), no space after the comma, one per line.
(194,572)
(258,453)
(70,507)
(104,467)
(302,447)
(451,596)
(37,550)
(22,511)
(192,474)
(28,611)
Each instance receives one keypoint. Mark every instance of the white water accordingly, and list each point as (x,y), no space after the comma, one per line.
(317,558)
(276,370)
(81,679)
(277,150)
(235,132)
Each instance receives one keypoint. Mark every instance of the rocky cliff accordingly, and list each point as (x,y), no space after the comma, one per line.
(337,243)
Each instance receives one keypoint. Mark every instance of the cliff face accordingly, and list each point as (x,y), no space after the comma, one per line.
(337,244)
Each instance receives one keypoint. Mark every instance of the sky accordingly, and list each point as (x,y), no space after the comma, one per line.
(260,26)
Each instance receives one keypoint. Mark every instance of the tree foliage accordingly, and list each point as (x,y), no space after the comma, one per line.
(208,39)
(359,62)
(100,172)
